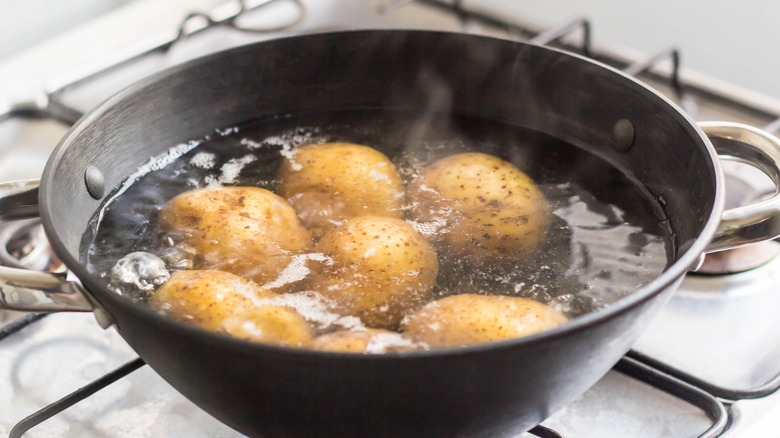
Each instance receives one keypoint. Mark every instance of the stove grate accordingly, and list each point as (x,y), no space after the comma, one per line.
(544,432)
(76,396)
(722,392)
(16,325)
(712,407)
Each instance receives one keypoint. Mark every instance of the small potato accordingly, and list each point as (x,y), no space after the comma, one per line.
(205,298)
(270,324)
(486,209)
(248,231)
(329,183)
(362,341)
(469,319)
(381,267)
(225,302)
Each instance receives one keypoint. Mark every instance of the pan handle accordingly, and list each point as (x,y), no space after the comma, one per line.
(755,222)
(27,290)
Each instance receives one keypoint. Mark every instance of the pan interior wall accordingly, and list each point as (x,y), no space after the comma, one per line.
(528,86)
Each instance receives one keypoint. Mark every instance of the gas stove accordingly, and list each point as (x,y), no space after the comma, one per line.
(708,366)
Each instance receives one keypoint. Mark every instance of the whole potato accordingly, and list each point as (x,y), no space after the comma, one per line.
(362,341)
(248,231)
(484,207)
(469,319)
(329,183)
(381,267)
(205,298)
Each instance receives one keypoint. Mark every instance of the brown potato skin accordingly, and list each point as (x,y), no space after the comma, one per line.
(469,319)
(248,231)
(486,208)
(205,298)
(332,182)
(381,267)
(224,302)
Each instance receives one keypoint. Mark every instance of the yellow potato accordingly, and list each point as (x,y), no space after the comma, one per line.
(225,302)
(362,341)
(469,319)
(329,183)
(486,209)
(497,233)
(381,267)
(248,231)
(269,324)
(205,298)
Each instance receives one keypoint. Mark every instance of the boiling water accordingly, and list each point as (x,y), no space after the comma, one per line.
(607,238)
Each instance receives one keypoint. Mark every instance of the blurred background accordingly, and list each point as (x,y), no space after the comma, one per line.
(734,41)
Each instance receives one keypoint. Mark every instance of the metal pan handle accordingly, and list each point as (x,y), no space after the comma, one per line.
(36,291)
(755,222)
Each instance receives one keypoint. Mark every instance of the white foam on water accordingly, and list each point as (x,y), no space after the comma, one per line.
(203,160)
(229,171)
(316,309)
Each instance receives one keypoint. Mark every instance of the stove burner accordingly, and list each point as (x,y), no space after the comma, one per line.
(23,245)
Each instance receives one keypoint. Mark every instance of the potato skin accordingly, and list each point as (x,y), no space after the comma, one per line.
(360,341)
(469,319)
(486,208)
(224,302)
(248,231)
(381,267)
(205,298)
(498,233)
(332,182)
(270,324)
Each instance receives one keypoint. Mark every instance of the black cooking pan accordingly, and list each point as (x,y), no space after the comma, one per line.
(497,389)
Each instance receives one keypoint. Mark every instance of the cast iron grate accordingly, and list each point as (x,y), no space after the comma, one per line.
(76,396)
(14,326)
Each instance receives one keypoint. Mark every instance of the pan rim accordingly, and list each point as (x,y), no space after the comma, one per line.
(667,278)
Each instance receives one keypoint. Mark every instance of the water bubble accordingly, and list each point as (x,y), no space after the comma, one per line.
(138,271)
(178,255)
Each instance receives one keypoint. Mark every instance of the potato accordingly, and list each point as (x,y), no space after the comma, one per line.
(381,267)
(329,183)
(362,341)
(469,319)
(248,231)
(497,233)
(486,209)
(270,324)
(205,298)
(225,302)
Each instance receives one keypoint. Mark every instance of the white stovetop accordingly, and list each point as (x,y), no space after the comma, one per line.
(31,70)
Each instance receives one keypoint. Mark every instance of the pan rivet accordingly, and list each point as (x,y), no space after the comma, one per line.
(104,320)
(96,183)
(623,135)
